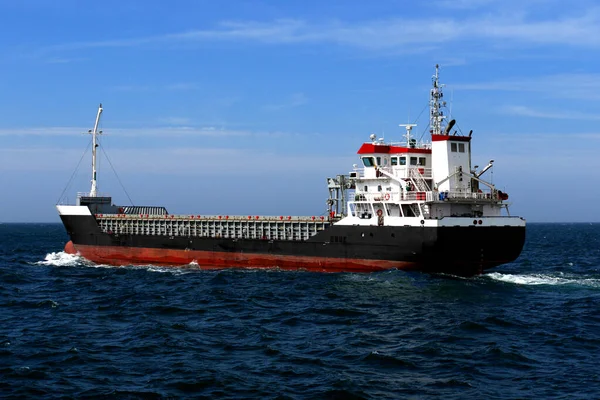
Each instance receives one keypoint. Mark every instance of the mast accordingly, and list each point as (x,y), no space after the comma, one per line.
(407,135)
(436,115)
(93,191)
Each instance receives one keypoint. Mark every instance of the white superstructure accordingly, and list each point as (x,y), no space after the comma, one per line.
(425,184)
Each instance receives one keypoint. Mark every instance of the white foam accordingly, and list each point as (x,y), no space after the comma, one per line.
(541,279)
(61,259)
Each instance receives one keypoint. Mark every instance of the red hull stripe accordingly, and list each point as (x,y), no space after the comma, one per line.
(116,255)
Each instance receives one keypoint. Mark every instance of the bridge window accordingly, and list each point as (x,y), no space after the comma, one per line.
(378,160)
(368,161)
(422,161)
(461,147)
(394,160)
(413,161)
(453,147)
(402,160)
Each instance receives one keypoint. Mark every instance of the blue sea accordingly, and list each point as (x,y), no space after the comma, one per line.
(71,329)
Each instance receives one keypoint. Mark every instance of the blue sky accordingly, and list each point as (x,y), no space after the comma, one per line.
(244,107)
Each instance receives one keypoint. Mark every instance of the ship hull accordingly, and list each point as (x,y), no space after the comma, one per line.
(123,255)
(454,250)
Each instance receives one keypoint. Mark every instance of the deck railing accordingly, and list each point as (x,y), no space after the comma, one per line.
(87,194)
(400,171)
(233,227)
(388,196)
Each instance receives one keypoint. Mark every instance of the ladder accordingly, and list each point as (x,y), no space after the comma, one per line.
(417,179)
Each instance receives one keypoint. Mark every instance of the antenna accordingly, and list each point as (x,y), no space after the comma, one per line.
(408,129)
(436,115)
(95,132)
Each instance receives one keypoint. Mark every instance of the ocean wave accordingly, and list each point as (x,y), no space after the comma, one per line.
(61,259)
(542,279)
(174,270)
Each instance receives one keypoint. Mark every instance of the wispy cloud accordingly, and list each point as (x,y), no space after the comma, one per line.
(177,161)
(585,86)
(525,111)
(295,100)
(464,4)
(130,132)
(131,88)
(180,86)
(50,131)
(157,132)
(175,120)
(582,30)
(63,60)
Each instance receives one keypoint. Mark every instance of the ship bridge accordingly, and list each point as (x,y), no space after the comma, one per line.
(413,182)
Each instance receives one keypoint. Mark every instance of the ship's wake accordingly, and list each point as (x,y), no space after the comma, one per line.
(546,279)
(61,259)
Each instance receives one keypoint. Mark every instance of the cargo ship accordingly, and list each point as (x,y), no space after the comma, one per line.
(407,205)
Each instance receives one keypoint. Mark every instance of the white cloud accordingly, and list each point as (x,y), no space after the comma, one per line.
(584,86)
(391,34)
(295,100)
(134,132)
(180,86)
(177,161)
(465,4)
(131,88)
(525,111)
(177,121)
(63,60)
(49,131)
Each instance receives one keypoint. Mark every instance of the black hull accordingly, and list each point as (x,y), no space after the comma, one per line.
(453,250)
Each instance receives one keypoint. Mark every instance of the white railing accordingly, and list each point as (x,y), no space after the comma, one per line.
(400,171)
(423,196)
(87,194)
(417,145)
(405,171)
(393,197)
(223,218)
(466,195)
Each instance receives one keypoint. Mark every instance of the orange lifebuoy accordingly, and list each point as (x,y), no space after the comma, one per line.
(379,213)
(387,196)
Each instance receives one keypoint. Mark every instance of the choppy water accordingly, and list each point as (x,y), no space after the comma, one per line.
(530,329)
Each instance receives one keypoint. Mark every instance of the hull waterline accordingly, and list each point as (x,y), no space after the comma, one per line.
(121,256)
